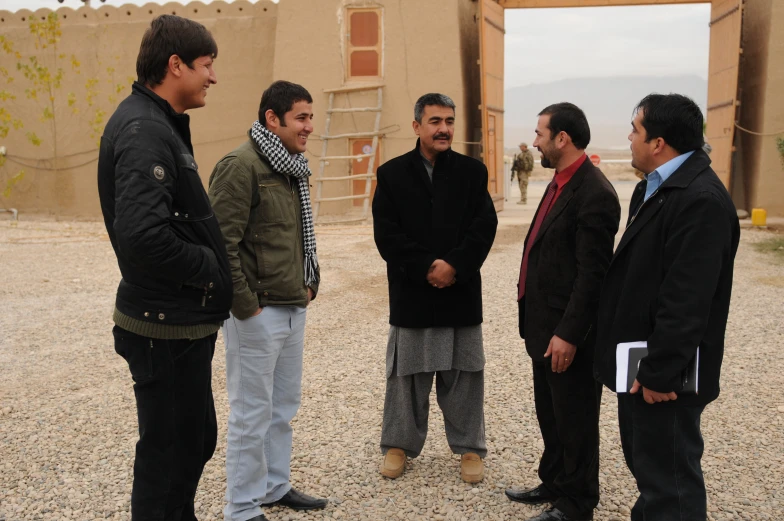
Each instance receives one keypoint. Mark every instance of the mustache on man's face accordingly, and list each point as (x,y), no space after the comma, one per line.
(441,136)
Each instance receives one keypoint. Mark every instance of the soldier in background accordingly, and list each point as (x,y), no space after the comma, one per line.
(522,166)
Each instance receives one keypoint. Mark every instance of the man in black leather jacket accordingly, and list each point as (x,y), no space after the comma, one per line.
(176,285)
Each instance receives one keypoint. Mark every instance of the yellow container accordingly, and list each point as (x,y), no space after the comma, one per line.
(758,217)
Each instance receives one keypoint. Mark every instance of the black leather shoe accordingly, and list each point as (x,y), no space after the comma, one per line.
(299,501)
(259,517)
(532,496)
(553,514)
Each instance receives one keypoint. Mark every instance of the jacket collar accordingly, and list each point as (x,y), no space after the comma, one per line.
(444,156)
(681,178)
(142,90)
(641,212)
(563,200)
(688,171)
(181,122)
(415,160)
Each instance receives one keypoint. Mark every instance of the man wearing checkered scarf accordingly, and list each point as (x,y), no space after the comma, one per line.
(261,196)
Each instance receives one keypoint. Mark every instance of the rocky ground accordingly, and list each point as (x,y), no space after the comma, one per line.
(68,424)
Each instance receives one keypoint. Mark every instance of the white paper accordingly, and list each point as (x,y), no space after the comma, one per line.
(622,363)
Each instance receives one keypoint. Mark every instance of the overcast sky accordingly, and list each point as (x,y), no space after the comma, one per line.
(545,45)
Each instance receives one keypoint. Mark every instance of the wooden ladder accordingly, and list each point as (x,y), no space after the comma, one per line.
(326,138)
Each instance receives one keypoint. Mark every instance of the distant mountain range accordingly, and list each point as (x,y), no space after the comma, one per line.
(607,102)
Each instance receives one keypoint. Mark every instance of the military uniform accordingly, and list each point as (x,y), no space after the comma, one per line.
(522,166)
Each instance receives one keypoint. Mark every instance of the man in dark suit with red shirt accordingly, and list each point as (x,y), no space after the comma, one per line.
(566,254)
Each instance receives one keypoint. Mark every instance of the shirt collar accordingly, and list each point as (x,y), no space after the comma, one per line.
(565,175)
(426,160)
(668,168)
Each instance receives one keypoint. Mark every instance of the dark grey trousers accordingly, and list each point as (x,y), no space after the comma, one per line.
(407,405)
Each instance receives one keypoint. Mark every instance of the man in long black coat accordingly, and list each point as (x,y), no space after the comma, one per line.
(669,285)
(566,253)
(434,224)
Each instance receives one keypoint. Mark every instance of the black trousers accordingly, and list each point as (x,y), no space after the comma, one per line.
(567,407)
(178,430)
(663,446)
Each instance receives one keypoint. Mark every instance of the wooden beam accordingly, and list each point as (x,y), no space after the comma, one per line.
(344,198)
(354,88)
(512,4)
(357,109)
(327,158)
(349,177)
(353,134)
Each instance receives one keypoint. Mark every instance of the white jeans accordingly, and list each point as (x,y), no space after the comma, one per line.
(264,383)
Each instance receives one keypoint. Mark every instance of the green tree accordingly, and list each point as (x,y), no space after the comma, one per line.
(7,120)
(43,75)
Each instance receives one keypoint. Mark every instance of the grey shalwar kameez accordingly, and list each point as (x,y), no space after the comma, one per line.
(455,355)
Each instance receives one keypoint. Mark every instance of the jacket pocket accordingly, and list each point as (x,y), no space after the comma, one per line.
(137,352)
(191,202)
(271,202)
(257,245)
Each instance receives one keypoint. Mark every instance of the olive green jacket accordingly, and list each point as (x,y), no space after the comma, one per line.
(259,214)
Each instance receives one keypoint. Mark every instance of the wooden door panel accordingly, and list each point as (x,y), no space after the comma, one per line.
(360,166)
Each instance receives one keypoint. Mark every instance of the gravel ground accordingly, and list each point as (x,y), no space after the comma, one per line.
(67,413)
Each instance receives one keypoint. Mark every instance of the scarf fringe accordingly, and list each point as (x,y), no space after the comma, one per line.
(311,269)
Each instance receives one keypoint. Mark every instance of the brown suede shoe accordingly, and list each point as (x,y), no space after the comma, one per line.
(472,469)
(394,463)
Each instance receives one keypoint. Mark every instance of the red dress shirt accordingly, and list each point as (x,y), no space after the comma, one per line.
(560,179)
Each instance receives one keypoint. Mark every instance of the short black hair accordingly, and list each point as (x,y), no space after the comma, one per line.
(168,35)
(568,117)
(280,97)
(432,98)
(674,118)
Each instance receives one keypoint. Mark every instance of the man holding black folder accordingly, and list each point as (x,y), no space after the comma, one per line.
(668,289)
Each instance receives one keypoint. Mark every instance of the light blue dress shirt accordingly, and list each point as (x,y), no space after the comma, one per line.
(660,175)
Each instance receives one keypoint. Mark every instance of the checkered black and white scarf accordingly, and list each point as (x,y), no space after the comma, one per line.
(297,167)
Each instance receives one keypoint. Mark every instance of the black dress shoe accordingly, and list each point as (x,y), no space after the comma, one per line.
(553,514)
(299,501)
(533,496)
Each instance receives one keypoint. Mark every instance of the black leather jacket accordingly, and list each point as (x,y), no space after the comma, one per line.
(168,244)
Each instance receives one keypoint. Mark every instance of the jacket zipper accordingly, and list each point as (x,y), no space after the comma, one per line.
(641,207)
(587,332)
(299,232)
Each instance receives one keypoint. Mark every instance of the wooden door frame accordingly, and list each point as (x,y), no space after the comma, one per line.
(348,78)
(489,20)
(731,101)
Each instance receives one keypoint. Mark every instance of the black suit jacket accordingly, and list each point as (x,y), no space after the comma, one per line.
(567,263)
(416,221)
(670,281)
